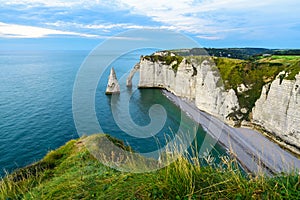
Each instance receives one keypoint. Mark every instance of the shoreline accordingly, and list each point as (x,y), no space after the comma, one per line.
(255,152)
(288,147)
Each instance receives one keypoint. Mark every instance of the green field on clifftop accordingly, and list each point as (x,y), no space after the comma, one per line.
(71,172)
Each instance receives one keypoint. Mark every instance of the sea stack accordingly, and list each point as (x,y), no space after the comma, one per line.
(112,85)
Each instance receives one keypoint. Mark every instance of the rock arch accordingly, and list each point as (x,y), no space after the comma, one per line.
(131,74)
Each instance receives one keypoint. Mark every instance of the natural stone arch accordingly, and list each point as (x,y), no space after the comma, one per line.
(131,74)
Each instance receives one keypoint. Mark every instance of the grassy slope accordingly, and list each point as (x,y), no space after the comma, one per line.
(70,172)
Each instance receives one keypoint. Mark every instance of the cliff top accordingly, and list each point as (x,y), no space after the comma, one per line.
(167,58)
(237,53)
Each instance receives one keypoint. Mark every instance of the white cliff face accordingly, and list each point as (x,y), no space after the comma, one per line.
(112,85)
(211,95)
(200,83)
(158,74)
(278,109)
(185,81)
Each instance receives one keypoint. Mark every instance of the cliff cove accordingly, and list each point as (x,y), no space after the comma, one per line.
(197,84)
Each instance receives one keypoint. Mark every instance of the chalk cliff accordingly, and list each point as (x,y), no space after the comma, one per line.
(211,96)
(199,82)
(112,85)
(278,109)
(158,74)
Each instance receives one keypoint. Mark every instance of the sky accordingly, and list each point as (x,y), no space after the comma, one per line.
(76,25)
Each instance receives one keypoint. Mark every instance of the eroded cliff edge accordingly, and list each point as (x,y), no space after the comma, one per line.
(260,94)
(278,109)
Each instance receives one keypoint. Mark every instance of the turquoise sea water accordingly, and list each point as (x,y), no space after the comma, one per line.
(36,106)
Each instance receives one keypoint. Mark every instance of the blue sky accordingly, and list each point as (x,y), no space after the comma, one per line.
(57,24)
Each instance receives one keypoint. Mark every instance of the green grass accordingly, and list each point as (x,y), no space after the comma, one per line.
(168,59)
(285,57)
(290,64)
(71,172)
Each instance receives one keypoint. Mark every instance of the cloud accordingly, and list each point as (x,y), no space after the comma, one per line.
(186,15)
(67,4)
(205,19)
(22,31)
(52,3)
(107,26)
(104,26)
(214,16)
(208,37)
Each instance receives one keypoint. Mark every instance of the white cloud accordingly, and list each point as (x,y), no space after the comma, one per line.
(56,3)
(183,15)
(208,37)
(207,19)
(211,16)
(21,31)
(105,27)
(52,3)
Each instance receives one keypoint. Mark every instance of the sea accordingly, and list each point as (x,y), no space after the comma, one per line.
(36,106)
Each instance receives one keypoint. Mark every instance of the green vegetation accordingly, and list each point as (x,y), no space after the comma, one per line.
(290,64)
(167,59)
(236,72)
(71,172)
(237,53)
